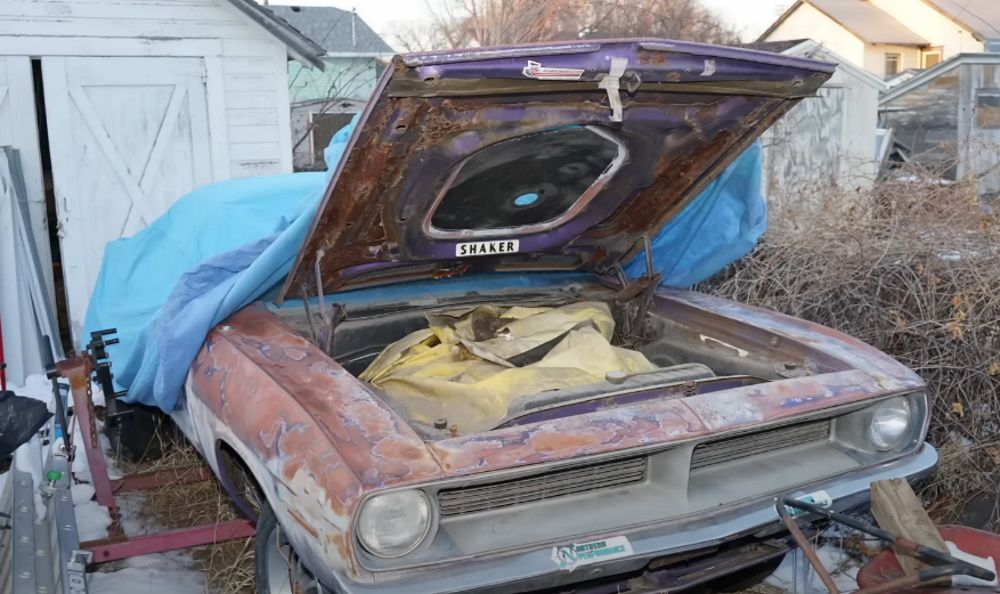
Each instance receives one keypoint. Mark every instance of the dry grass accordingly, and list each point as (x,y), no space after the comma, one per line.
(916,274)
(229,566)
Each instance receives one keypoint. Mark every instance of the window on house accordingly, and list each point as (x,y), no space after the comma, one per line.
(988,108)
(931,57)
(892,64)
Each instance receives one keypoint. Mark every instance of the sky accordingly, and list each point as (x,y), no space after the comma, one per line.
(750,17)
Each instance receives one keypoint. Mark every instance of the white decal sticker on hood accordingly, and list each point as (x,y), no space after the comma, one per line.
(572,556)
(486,248)
(535,70)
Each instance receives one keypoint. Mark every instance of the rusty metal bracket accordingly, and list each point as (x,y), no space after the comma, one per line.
(636,296)
(79,370)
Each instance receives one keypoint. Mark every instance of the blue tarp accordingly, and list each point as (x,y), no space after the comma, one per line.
(223,246)
(215,251)
(719,226)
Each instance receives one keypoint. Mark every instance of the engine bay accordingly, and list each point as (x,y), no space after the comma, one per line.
(478,362)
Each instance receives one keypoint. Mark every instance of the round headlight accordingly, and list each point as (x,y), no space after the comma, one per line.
(395,523)
(890,424)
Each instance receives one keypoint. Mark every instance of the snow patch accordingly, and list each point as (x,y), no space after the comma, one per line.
(162,573)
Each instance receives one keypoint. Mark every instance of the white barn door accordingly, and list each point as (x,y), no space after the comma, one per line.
(128,137)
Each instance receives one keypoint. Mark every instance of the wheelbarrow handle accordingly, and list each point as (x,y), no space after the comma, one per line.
(924,576)
(924,553)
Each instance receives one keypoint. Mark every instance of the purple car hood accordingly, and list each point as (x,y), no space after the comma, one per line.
(557,156)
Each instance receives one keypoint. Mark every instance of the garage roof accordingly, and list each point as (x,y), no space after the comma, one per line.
(868,22)
(337,31)
(300,46)
(982,17)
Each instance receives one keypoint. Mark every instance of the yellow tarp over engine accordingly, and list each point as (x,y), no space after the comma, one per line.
(468,367)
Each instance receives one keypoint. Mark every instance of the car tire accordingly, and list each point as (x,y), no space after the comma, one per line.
(274,558)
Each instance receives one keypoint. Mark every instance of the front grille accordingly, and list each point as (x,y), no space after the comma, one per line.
(572,481)
(744,446)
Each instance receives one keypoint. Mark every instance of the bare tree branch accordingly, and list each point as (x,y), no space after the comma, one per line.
(477,23)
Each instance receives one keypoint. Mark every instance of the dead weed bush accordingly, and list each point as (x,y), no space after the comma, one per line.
(916,273)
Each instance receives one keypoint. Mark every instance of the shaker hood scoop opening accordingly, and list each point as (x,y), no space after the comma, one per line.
(555,156)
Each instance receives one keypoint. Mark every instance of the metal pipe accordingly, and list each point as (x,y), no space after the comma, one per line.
(3,365)
(803,543)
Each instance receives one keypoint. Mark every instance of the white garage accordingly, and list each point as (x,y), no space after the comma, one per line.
(119,107)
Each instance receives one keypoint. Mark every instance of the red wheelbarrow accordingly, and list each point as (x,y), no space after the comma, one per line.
(885,568)
(883,573)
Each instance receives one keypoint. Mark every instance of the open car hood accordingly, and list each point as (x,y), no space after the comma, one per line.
(556,156)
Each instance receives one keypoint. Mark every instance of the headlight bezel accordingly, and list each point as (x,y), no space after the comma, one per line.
(427,534)
(852,431)
(885,413)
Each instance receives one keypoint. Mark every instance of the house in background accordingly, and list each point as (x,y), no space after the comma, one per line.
(117,108)
(324,101)
(888,37)
(825,148)
(947,119)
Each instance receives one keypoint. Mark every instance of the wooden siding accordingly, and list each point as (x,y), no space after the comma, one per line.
(946,122)
(823,151)
(925,121)
(344,78)
(803,151)
(978,109)
(245,67)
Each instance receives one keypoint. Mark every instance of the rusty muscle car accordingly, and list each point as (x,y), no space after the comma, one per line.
(457,388)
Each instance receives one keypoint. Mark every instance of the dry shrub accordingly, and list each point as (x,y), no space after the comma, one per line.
(916,273)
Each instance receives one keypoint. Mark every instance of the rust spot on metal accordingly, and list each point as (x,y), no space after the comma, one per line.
(301,522)
(647,57)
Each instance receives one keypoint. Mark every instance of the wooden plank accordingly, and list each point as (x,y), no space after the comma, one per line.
(898,509)
(52,45)
(252,99)
(251,168)
(251,134)
(256,151)
(215,94)
(19,129)
(284,111)
(249,48)
(252,117)
(237,65)
(85,28)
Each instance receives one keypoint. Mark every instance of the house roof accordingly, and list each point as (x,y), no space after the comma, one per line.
(337,31)
(981,17)
(301,47)
(865,20)
(808,48)
(773,46)
(935,71)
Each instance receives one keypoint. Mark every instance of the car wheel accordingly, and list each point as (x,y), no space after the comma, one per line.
(277,567)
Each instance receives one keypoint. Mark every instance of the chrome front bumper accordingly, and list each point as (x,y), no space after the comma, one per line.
(535,569)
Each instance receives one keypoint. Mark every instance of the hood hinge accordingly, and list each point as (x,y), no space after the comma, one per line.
(611,82)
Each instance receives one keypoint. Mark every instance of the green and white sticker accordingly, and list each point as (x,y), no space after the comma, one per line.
(820,498)
(569,557)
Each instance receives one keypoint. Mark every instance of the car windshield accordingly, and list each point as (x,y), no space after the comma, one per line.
(528,180)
